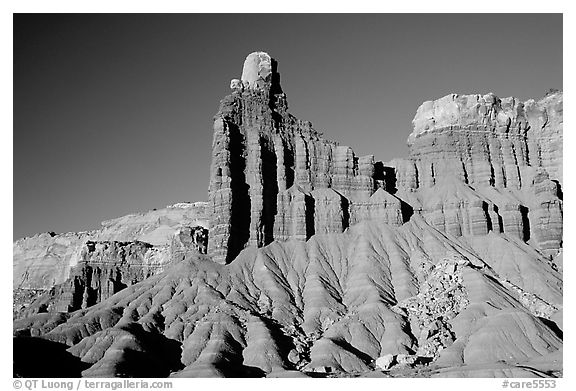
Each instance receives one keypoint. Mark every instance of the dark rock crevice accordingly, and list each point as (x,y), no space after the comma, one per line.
(269,191)
(241,204)
(310,229)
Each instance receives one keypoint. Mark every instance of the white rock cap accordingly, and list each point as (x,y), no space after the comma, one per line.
(257,69)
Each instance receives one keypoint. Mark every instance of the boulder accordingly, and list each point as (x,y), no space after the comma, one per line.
(385,362)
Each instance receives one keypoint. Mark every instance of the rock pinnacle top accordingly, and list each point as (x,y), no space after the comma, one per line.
(257,72)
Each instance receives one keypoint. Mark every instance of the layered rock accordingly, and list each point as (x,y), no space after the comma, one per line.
(45,260)
(450,258)
(107,267)
(545,134)
(293,218)
(381,206)
(268,166)
(104,269)
(485,140)
(271,173)
(330,306)
(189,238)
(492,148)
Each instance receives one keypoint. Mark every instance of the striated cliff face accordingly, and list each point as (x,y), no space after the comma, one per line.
(105,268)
(53,272)
(275,177)
(505,133)
(45,260)
(477,163)
(310,260)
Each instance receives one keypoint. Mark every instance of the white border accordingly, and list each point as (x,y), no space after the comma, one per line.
(300,6)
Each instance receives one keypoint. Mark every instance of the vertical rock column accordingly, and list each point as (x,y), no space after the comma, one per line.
(513,180)
(281,165)
(513,223)
(322,159)
(365,184)
(302,174)
(545,214)
(256,186)
(291,219)
(404,173)
(244,176)
(545,133)
(480,159)
(331,213)
(343,171)
(220,193)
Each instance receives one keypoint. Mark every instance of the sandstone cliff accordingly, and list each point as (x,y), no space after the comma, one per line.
(509,153)
(46,259)
(53,272)
(477,163)
(275,177)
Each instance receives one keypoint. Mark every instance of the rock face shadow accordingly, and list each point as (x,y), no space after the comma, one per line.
(407,211)
(525,223)
(559,192)
(240,214)
(38,357)
(553,326)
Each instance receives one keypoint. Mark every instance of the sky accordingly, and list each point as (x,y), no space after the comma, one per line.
(113,113)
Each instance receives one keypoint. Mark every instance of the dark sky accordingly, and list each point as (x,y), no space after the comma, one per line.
(113,113)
